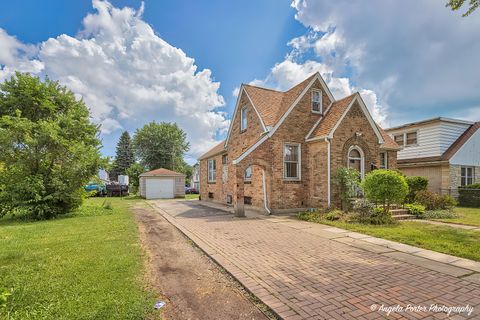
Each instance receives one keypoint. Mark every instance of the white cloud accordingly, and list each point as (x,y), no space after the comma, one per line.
(126,74)
(417,56)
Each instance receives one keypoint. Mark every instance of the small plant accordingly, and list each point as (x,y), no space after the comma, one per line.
(346,181)
(417,210)
(439,214)
(4,294)
(380,216)
(311,216)
(107,205)
(362,209)
(434,201)
(334,215)
(415,184)
(385,187)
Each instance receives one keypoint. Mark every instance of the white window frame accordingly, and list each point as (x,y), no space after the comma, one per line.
(362,159)
(245,178)
(243,113)
(404,134)
(211,171)
(320,101)
(385,166)
(299,162)
(466,176)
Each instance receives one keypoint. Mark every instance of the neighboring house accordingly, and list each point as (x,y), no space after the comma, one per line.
(162,184)
(446,151)
(195,183)
(283,148)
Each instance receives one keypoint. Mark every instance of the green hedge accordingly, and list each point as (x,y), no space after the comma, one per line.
(469,196)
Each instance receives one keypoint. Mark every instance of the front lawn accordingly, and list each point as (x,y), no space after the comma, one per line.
(457,242)
(86,265)
(192,196)
(469,216)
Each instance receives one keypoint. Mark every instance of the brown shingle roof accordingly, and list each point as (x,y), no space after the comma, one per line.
(161,172)
(332,116)
(388,143)
(450,152)
(272,104)
(218,149)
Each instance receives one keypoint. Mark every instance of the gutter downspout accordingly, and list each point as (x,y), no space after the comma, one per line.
(327,140)
(265,192)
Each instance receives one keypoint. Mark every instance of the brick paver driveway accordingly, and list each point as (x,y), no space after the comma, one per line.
(303,276)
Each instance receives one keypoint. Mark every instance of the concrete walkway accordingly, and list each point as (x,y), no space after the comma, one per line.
(304,270)
(448,224)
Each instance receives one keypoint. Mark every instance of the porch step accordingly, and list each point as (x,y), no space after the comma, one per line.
(403,216)
(397,212)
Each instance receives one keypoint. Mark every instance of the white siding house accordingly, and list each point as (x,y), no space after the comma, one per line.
(446,151)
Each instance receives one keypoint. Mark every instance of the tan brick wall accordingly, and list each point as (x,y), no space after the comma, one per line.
(216,188)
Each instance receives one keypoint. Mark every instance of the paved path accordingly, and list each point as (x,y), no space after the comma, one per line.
(449,224)
(301,271)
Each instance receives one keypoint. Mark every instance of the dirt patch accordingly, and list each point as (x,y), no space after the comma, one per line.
(193,286)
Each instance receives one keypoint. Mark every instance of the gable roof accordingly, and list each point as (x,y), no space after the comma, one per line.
(217,149)
(450,152)
(161,172)
(389,143)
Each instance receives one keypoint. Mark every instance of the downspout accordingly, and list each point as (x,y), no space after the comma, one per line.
(265,193)
(328,171)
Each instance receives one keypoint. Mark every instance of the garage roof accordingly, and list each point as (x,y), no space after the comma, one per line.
(161,172)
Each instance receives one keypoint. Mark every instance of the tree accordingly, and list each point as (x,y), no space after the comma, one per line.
(48,147)
(134,173)
(124,157)
(160,145)
(385,186)
(457,4)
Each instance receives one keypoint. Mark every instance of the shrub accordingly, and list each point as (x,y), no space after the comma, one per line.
(416,209)
(363,209)
(472,186)
(439,214)
(333,215)
(312,216)
(385,187)
(346,181)
(380,216)
(415,184)
(469,196)
(434,201)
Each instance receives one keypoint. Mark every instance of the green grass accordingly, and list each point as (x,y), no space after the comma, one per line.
(86,265)
(191,196)
(453,241)
(469,216)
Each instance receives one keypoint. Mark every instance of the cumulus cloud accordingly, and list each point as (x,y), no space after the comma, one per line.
(419,57)
(126,74)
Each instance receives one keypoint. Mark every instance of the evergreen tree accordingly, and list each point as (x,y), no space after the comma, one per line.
(124,157)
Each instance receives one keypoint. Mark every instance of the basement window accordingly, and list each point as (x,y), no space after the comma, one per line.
(247,200)
(210,195)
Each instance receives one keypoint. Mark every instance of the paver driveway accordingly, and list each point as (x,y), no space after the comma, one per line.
(304,276)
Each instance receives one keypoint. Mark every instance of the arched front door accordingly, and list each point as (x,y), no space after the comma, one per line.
(356,160)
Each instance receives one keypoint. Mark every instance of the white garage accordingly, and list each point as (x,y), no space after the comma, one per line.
(162,184)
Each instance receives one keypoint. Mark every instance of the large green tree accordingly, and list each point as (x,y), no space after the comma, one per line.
(457,4)
(161,145)
(48,147)
(124,156)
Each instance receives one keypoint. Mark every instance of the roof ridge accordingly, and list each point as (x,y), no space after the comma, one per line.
(263,88)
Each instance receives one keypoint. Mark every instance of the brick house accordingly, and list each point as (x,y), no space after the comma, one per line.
(445,150)
(282,148)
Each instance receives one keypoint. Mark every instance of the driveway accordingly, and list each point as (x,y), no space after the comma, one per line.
(295,269)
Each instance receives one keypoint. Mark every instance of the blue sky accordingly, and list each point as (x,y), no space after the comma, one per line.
(408,65)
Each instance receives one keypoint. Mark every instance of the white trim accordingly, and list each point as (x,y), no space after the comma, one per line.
(299,162)
(328,172)
(282,119)
(320,102)
(265,204)
(242,89)
(214,171)
(362,159)
(367,114)
(245,174)
(243,113)
(386,160)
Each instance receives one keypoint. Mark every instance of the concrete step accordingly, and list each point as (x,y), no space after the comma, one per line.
(403,216)
(396,212)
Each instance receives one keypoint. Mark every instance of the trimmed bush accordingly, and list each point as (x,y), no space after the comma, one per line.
(469,196)
(416,209)
(415,184)
(434,201)
(385,187)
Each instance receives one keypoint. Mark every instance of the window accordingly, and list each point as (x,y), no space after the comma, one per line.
(210,195)
(383,160)
(355,160)
(411,138)
(224,159)
(317,101)
(466,176)
(211,170)
(243,116)
(248,173)
(398,139)
(291,161)
(247,200)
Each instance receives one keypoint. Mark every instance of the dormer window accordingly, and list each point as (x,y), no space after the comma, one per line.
(316,101)
(243,119)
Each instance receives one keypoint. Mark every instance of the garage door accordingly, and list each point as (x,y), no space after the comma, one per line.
(159,188)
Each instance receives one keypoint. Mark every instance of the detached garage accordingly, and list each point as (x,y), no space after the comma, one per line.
(162,184)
